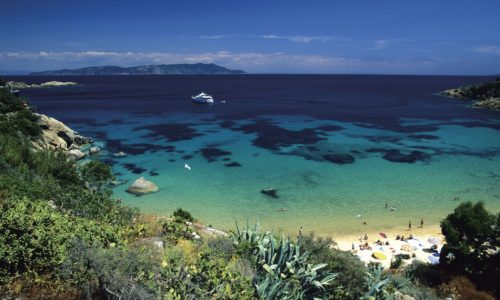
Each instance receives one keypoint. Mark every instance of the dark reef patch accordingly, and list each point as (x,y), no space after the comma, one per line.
(384,139)
(211,154)
(171,132)
(233,164)
(116,122)
(171,160)
(340,159)
(329,128)
(134,168)
(273,193)
(397,156)
(424,137)
(187,156)
(226,159)
(116,145)
(228,124)
(153,173)
(272,137)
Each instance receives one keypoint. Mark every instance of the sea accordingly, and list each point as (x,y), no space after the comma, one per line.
(339,150)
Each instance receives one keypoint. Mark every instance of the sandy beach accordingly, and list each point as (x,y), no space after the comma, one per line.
(419,245)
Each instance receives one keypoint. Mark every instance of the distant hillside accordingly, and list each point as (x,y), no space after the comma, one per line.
(145,70)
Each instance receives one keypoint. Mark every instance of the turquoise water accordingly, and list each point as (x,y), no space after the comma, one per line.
(334,147)
(317,195)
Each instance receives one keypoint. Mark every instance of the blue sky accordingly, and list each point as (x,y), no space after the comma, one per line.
(381,37)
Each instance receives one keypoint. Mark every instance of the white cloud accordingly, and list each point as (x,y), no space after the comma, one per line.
(216,37)
(249,61)
(385,43)
(379,45)
(291,38)
(298,38)
(495,50)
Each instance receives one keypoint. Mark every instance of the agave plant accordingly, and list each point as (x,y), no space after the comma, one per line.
(382,286)
(282,270)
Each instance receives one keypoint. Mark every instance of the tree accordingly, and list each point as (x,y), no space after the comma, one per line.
(472,243)
(96,173)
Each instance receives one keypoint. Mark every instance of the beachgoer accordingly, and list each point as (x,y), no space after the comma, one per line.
(300,231)
(409,225)
(365,237)
(422,223)
(386,205)
(282,209)
(398,237)
(352,246)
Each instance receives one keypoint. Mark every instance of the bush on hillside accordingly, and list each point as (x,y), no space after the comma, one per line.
(183,215)
(352,283)
(35,237)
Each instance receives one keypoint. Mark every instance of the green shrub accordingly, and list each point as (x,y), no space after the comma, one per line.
(183,215)
(352,280)
(423,273)
(114,273)
(35,237)
(396,263)
(96,173)
(472,243)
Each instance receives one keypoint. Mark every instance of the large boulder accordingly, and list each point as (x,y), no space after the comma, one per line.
(56,135)
(94,150)
(142,186)
(75,154)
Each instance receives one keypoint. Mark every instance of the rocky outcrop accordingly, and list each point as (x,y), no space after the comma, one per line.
(76,154)
(273,193)
(490,103)
(56,135)
(142,186)
(94,150)
(22,85)
(486,95)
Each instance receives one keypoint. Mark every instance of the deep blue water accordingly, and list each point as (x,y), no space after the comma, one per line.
(334,146)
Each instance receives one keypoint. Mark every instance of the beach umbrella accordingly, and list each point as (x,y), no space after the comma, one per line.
(433,240)
(379,255)
(383,235)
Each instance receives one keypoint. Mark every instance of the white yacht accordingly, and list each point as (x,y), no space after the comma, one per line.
(203,98)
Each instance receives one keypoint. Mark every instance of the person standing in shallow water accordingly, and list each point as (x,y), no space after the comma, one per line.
(409,225)
(422,223)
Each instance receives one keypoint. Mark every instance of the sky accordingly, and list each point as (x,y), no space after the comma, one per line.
(433,37)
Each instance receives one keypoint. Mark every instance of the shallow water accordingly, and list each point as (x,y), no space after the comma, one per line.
(334,147)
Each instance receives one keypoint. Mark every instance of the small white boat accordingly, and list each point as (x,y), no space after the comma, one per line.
(203,98)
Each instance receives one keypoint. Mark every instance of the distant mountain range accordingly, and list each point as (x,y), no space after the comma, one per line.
(173,69)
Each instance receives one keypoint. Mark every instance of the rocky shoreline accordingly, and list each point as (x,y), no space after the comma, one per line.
(55,135)
(485,95)
(23,85)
